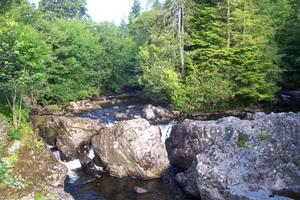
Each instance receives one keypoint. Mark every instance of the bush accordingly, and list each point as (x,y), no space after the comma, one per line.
(160,83)
(14,134)
(202,91)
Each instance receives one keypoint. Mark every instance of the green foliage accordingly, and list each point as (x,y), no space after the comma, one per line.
(64,8)
(202,91)
(39,196)
(247,63)
(135,10)
(160,83)
(14,134)
(242,141)
(262,136)
(117,64)
(7,174)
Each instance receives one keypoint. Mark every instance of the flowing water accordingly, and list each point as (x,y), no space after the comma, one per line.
(84,187)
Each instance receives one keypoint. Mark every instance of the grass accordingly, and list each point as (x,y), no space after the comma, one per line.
(39,196)
(262,136)
(242,141)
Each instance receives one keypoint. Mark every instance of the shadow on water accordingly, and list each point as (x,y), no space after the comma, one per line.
(111,188)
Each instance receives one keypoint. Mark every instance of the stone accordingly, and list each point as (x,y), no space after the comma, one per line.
(132,148)
(148,113)
(3,132)
(14,147)
(140,190)
(238,159)
(67,133)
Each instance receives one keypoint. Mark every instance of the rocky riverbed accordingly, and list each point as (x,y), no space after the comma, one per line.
(119,151)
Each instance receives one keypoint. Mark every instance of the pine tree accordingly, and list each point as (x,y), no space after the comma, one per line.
(135,10)
(64,8)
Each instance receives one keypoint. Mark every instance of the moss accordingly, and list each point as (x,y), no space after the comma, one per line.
(54,108)
(242,141)
(262,136)
(273,141)
(39,196)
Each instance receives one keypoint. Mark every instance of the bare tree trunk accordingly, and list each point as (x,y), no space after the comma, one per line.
(32,99)
(181,37)
(20,112)
(228,24)
(16,115)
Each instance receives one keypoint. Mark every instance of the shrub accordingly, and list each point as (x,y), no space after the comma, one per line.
(242,141)
(160,83)
(262,136)
(14,134)
(202,91)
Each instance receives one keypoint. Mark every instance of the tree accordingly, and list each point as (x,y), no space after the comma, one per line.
(22,56)
(6,5)
(135,10)
(71,73)
(117,66)
(64,8)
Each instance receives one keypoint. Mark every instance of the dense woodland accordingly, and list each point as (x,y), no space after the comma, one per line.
(190,54)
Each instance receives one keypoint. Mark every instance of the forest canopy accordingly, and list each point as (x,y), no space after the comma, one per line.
(190,54)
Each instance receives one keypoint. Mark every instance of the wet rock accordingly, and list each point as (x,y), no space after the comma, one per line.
(158,114)
(67,133)
(121,116)
(140,190)
(238,159)
(148,113)
(3,132)
(132,148)
(83,105)
(288,97)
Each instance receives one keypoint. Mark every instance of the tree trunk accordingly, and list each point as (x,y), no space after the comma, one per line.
(181,37)
(228,24)
(16,113)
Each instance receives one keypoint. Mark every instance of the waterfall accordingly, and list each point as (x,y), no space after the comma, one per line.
(166,130)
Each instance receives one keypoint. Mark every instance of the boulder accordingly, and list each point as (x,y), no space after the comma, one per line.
(238,159)
(68,133)
(158,114)
(148,112)
(132,148)
(3,132)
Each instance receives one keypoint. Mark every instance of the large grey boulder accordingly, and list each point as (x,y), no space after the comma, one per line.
(132,148)
(238,159)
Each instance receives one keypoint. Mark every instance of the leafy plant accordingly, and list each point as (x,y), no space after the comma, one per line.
(242,141)
(14,134)
(262,136)
(39,196)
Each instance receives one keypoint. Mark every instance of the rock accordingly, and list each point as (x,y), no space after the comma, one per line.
(67,133)
(158,114)
(55,194)
(148,113)
(83,105)
(131,106)
(14,147)
(121,116)
(238,159)
(140,190)
(132,148)
(3,132)
(288,97)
